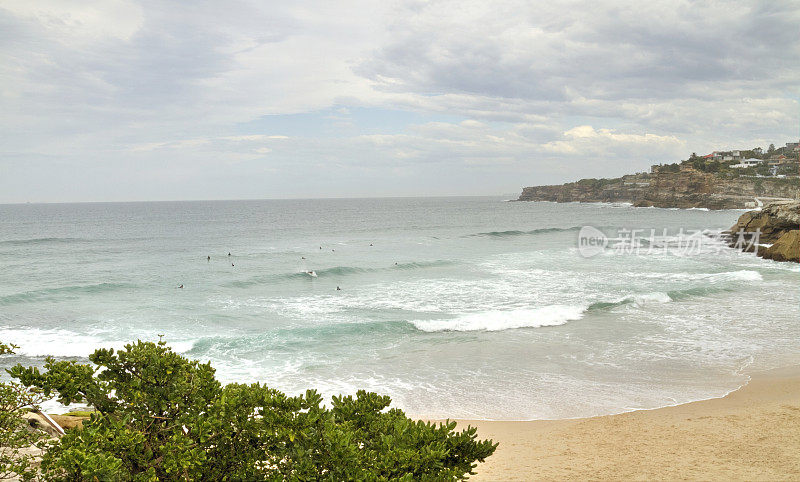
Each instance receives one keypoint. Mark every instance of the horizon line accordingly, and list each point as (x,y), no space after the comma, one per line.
(254,199)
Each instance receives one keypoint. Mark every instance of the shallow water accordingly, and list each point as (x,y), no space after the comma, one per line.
(456,307)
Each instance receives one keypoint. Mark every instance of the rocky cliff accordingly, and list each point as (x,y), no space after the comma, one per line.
(683,189)
(778,224)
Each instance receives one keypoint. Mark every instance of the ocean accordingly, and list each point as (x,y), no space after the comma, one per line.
(455,307)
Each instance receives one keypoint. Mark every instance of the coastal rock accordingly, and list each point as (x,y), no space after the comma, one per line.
(683,189)
(778,224)
(786,248)
(773,220)
(37,422)
(69,421)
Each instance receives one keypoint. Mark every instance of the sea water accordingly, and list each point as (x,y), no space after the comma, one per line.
(455,307)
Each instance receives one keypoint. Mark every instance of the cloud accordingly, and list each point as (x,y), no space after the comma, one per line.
(587,58)
(607,50)
(80,23)
(404,95)
(585,141)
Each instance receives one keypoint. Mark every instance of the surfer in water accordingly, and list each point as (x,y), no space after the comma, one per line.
(180,287)
(209,258)
(338,289)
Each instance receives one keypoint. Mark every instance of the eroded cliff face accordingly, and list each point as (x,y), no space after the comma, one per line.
(786,248)
(684,189)
(778,224)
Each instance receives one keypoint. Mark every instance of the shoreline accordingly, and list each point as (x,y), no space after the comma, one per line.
(629,204)
(751,433)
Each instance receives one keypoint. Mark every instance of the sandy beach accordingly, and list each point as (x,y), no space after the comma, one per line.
(751,434)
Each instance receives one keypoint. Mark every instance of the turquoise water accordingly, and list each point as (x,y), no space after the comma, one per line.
(456,307)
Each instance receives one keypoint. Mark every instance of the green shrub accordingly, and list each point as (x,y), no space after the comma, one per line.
(162,417)
(15,400)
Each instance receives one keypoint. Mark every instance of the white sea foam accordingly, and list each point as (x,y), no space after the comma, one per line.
(610,204)
(36,342)
(741,275)
(60,343)
(552,315)
(182,346)
(647,298)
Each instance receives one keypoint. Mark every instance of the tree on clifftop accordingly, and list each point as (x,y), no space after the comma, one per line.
(163,417)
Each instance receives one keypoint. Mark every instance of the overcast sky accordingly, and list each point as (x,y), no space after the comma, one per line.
(112,100)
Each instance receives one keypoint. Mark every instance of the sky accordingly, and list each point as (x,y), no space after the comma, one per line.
(129,100)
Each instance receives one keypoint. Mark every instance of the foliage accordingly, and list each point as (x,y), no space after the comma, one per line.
(704,165)
(758,187)
(598,183)
(163,417)
(751,154)
(7,349)
(762,170)
(788,169)
(14,432)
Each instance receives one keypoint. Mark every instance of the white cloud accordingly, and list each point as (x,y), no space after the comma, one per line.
(519,91)
(586,140)
(81,22)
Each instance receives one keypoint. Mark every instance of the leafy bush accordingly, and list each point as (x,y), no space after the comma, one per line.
(162,417)
(14,432)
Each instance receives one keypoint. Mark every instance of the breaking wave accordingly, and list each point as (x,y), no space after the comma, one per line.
(635,300)
(34,241)
(338,271)
(553,315)
(503,234)
(38,342)
(53,293)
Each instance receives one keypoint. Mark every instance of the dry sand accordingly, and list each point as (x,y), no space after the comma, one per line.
(751,434)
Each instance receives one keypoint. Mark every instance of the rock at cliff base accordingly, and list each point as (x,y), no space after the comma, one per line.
(786,248)
(772,222)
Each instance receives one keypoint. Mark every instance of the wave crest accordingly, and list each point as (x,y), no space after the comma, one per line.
(23,242)
(552,315)
(504,234)
(635,300)
(40,295)
(338,271)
